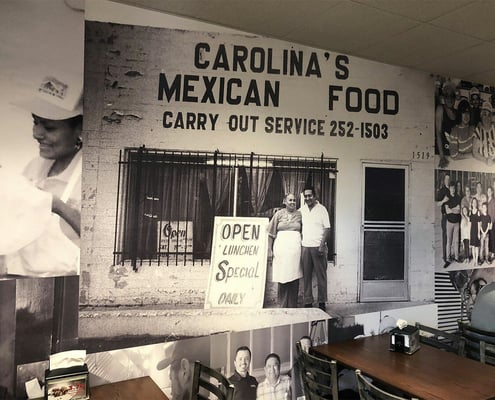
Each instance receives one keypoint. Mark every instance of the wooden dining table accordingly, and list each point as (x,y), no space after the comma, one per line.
(429,373)
(132,389)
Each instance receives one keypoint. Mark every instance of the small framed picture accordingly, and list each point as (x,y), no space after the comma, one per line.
(67,384)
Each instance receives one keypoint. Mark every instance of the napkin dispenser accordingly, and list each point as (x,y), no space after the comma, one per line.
(405,340)
(67,383)
(68,376)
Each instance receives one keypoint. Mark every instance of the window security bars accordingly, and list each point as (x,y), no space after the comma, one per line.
(167,200)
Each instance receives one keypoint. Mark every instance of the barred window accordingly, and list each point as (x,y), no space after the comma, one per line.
(167,199)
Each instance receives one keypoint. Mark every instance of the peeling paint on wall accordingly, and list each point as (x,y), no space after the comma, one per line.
(117,117)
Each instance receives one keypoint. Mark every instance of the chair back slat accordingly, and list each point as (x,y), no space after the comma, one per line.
(438,338)
(368,391)
(477,344)
(209,380)
(319,376)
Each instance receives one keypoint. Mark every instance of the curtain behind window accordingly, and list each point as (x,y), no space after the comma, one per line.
(259,181)
(162,193)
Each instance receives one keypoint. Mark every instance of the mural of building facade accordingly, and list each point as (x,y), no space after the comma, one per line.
(183,126)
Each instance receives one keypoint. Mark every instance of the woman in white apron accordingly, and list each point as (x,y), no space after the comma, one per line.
(284,236)
(56,109)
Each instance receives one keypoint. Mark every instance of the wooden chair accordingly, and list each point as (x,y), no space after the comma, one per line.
(476,343)
(210,381)
(438,338)
(368,391)
(319,376)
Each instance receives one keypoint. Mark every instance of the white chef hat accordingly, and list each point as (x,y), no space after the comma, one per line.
(57,96)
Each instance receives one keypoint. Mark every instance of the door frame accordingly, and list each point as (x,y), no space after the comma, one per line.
(381,290)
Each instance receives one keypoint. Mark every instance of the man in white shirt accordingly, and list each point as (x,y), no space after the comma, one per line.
(315,231)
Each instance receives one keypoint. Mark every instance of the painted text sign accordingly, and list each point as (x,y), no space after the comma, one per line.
(238,263)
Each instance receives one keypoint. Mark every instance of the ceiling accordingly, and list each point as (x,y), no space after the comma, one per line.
(454,38)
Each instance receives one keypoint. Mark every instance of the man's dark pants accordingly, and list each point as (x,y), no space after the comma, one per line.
(314,261)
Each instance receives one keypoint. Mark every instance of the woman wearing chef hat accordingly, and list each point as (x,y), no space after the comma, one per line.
(56,109)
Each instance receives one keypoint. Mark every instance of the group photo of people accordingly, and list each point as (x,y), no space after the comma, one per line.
(260,363)
(297,248)
(247,387)
(278,384)
(467,208)
(464,122)
(273,385)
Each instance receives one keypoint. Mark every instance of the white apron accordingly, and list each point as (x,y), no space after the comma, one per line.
(287,257)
